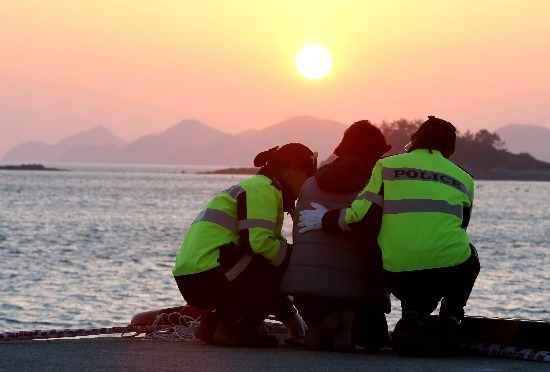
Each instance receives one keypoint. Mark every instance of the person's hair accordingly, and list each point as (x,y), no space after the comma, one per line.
(363,140)
(434,134)
(278,158)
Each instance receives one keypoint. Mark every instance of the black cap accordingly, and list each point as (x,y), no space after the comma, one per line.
(278,158)
(434,134)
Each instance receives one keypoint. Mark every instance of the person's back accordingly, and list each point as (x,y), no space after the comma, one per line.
(234,254)
(423,202)
(336,280)
(422,225)
(333,265)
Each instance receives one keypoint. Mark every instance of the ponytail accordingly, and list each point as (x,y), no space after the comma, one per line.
(264,157)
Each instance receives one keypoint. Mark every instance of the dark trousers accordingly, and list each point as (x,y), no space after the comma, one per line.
(253,295)
(421,290)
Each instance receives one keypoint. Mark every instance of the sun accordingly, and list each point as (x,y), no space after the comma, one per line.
(314,61)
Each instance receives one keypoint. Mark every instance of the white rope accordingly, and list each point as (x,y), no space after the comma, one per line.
(184,328)
(54,333)
(508,352)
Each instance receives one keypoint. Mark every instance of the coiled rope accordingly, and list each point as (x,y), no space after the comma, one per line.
(183,328)
(166,326)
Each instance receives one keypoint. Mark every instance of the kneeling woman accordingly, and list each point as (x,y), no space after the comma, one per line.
(234,254)
(336,279)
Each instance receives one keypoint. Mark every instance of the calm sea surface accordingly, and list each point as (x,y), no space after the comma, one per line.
(93,246)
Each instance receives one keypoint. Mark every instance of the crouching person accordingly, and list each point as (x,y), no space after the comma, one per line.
(423,202)
(234,254)
(336,279)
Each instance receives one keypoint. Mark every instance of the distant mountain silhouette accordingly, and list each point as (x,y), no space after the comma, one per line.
(95,145)
(247,134)
(486,162)
(188,142)
(531,139)
(191,142)
(320,135)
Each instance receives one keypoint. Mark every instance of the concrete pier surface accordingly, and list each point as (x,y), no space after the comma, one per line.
(137,354)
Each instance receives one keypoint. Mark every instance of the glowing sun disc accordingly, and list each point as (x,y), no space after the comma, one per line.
(314,61)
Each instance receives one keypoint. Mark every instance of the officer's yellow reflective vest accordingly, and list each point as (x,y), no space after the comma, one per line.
(426,203)
(249,215)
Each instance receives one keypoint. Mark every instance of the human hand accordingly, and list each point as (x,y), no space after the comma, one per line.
(312,219)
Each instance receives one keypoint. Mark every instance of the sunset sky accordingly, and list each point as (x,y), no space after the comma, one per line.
(141,66)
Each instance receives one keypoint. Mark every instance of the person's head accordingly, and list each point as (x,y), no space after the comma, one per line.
(364,140)
(434,134)
(293,163)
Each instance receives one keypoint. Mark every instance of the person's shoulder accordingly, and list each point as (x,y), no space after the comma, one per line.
(460,169)
(465,171)
(258,181)
(391,158)
(311,182)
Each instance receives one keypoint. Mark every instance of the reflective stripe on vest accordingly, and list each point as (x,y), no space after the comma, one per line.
(408,174)
(218,217)
(342,221)
(245,260)
(250,223)
(422,205)
(230,223)
(372,197)
(280,257)
(238,268)
(233,191)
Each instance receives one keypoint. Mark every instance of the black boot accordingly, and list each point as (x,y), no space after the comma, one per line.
(320,336)
(207,327)
(335,332)
(408,337)
(242,333)
(448,336)
(373,331)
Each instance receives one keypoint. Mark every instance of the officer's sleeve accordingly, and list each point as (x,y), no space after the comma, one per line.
(369,197)
(259,213)
(467,210)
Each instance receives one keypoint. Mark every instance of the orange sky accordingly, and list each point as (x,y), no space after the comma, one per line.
(140,66)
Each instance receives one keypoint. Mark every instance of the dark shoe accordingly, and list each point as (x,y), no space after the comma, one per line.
(448,336)
(407,337)
(320,335)
(372,331)
(207,327)
(333,333)
(343,340)
(242,334)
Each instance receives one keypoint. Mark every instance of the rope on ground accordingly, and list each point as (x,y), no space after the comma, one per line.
(182,328)
(54,333)
(508,352)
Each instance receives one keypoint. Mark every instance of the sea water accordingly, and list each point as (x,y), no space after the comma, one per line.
(95,245)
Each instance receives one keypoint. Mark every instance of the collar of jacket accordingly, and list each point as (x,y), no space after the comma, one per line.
(289,201)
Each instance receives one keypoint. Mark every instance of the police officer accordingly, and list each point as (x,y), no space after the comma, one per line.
(419,205)
(234,254)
